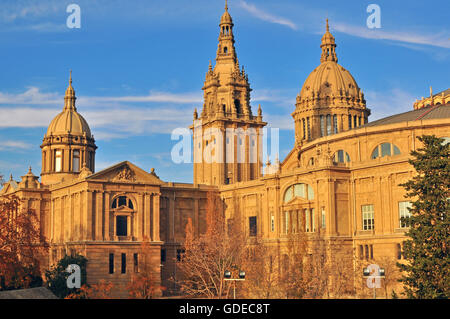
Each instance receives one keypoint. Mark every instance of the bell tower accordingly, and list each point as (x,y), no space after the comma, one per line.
(227,136)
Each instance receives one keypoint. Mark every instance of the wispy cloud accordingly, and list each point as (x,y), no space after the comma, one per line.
(32,95)
(440,39)
(390,102)
(13,145)
(265,16)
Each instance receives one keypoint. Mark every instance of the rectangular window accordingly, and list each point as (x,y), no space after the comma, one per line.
(322,125)
(367,251)
(252,226)
(309,128)
(136,262)
(307,221)
(111,263)
(313,220)
(368,217)
(335,124)
(286,222)
(371,251)
(361,252)
(163,255)
(355,124)
(58,161)
(304,129)
(324,224)
(180,253)
(399,251)
(329,131)
(124,263)
(349,122)
(121,226)
(272,223)
(76,161)
(404,214)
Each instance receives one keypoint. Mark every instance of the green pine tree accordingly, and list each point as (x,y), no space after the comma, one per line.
(426,271)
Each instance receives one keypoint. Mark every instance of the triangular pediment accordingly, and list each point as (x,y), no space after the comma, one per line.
(9,187)
(126,172)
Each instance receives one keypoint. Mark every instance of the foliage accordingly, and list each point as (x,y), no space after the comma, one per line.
(209,255)
(426,252)
(145,284)
(56,277)
(21,245)
(101,290)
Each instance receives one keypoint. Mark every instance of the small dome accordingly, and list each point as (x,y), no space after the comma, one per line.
(226,18)
(69,122)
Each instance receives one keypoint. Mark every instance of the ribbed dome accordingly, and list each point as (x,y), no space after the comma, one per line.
(331,80)
(330,84)
(69,122)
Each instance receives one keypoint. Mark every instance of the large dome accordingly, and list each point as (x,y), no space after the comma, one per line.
(69,122)
(331,83)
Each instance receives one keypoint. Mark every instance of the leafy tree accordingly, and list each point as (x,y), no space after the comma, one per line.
(426,271)
(21,246)
(145,283)
(57,276)
(209,255)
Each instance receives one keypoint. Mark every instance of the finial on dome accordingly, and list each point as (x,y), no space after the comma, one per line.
(328,27)
(431,91)
(10,177)
(226,5)
(69,98)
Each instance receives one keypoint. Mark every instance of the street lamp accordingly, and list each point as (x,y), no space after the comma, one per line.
(227,276)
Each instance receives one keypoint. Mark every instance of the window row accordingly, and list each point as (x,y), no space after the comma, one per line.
(123,263)
(368,215)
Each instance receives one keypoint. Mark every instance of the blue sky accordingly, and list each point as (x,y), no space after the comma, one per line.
(139,65)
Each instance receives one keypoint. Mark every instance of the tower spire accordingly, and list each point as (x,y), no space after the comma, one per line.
(69,98)
(328,46)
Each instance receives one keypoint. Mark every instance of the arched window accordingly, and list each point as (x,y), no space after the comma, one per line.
(122,201)
(385,149)
(341,156)
(349,121)
(122,208)
(299,190)
(304,129)
(225,50)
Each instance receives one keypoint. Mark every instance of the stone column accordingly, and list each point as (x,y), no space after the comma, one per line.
(99,216)
(106,233)
(155,215)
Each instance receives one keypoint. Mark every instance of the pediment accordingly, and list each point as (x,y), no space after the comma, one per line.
(9,187)
(126,172)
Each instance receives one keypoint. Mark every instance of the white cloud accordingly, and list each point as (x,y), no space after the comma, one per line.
(262,15)
(386,103)
(31,96)
(13,145)
(440,39)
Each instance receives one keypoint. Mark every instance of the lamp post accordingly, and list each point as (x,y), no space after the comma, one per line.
(227,276)
(373,272)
